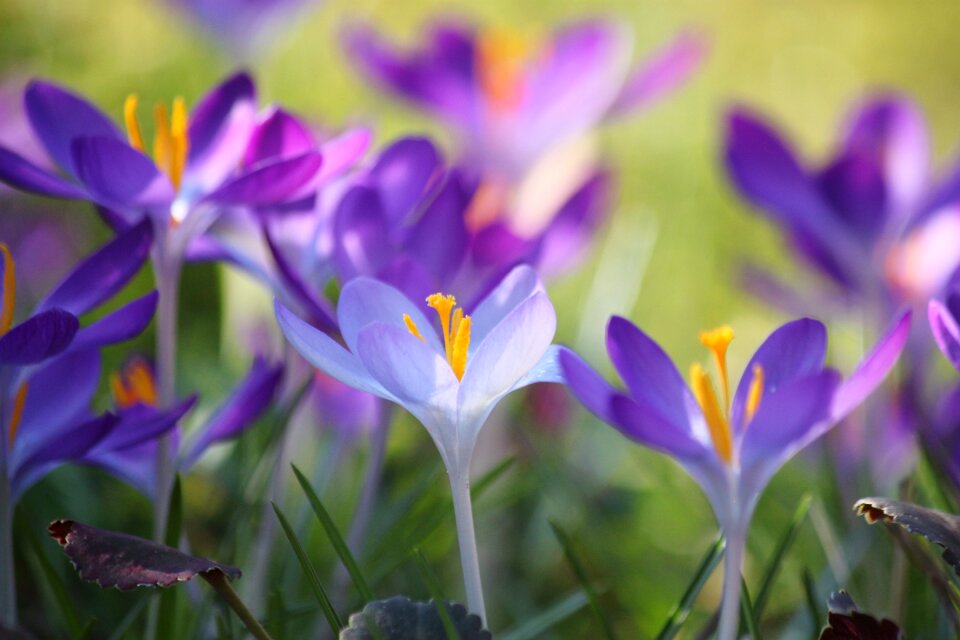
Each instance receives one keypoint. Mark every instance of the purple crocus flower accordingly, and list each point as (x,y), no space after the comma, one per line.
(509,99)
(943,316)
(49,367)
(871,220)
(730,441)
(449,382)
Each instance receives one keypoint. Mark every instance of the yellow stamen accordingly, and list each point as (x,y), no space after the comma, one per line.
(501,59)
(180,142)
(130,120)
(717,340)
(412,327)
(162,140)
(460,345)
(9,295)
(755,394)
(443,305)
(121,397)
(17,413)
(716,417)
(135,385)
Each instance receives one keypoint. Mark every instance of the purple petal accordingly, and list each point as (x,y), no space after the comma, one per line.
(59,117)
(364,301)
(403,172)
(125,323)
(119,176)
(239,411)
(407,275)
(439,238)
(270,183)
(872,370)
(362,234)
(587,385)
(38,338)
(518,285)
(795,350)
(325,354)
(20,173)
(663,73)
(140,424)
(301,290)
(349,412)
(100,276)
(945,331)
(278,135)
(649,374)
(568,235)
(856,188)
(344,151)
(212,116)
(645,424)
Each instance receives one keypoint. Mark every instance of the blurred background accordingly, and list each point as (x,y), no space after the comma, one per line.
(668,258)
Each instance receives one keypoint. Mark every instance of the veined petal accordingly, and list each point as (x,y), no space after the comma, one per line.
(664,72)
(58,117)
(20,173)
(118,176)
(872,370)
(123,324)
(364,301)
(508,353)
(945,331)
(325,354)
(518,285)
(795,350)
(587,385)
(38,338)
(104,273)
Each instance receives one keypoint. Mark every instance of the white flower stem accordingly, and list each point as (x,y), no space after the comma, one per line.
(732,568)
(463,512)
(8,585)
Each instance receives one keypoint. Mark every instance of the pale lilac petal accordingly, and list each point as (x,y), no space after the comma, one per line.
(118,176)
(59,117)
(521,283)
(325,354)
(872,370)
(20,173)
(343,151)
(547,369)
(364,301)
(271,182)
(663,73)
(945,331)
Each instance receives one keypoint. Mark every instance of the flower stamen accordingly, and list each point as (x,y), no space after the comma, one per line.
(717,340)
(170,142)
(412,327)
(134,385)
(716,417)
(455,327)
(755,394)
(17,414)
(9,295)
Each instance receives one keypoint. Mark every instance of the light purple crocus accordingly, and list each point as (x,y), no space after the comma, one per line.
(450,382)
(871,220)
(509,99)
(731,441)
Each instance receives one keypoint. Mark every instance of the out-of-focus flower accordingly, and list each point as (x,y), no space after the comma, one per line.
(943,322)
(450,382)
(135,393)
(871,220)
(510,98)
(730,443)
(243,27)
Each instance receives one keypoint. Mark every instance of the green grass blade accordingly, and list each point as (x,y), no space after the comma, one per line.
(343,551)
(127,622)
(747,616)
(578,570)
(322,599)
(681,610)
(789,537)
(433,588)
(543,621)
(87,630)
(810,594)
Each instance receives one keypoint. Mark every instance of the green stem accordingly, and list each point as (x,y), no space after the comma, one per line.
(218,580)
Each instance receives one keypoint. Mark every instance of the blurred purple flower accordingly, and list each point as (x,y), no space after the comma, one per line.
(450,383)
(871,220)
(508,98)
(943,318)
(730,444)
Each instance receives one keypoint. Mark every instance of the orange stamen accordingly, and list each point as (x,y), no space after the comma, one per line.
(9,295)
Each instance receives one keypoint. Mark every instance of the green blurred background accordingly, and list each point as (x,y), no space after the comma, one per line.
(668,258)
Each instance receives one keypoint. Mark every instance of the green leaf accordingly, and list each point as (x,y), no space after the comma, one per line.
(578,570)
(343,551)
(543,621)
(322,599)
(681,610)
(786,542)
(747,615)
(810,594)
(433,588)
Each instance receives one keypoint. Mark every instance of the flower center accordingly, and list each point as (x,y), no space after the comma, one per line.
(501,60)
(134,385)
(170,142)
(717,415)
(455,327)
(8,297)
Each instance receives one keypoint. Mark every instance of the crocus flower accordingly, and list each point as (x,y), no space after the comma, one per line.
(450,382)
(871,220)
(510,99)
(731,441)
(49,368)
(943,316)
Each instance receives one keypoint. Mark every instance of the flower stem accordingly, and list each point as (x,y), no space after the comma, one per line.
(219,581)
(168,284)
(8,585)
(732,567)
(463,512)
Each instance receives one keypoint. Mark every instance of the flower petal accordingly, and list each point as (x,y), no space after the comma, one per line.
(643,423)
(211,117)
(123,324)
(519,284)
(439,238)
(277,135)
(325,354)
(270,182)
(20,173)
(402,174)
(59,117)
(140,424)
(118,176)
(343,151)
(365,301)
(362,232)
(316,306)
(39,337)
(104,273)
(945,331)
(587,385)
(663,72)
